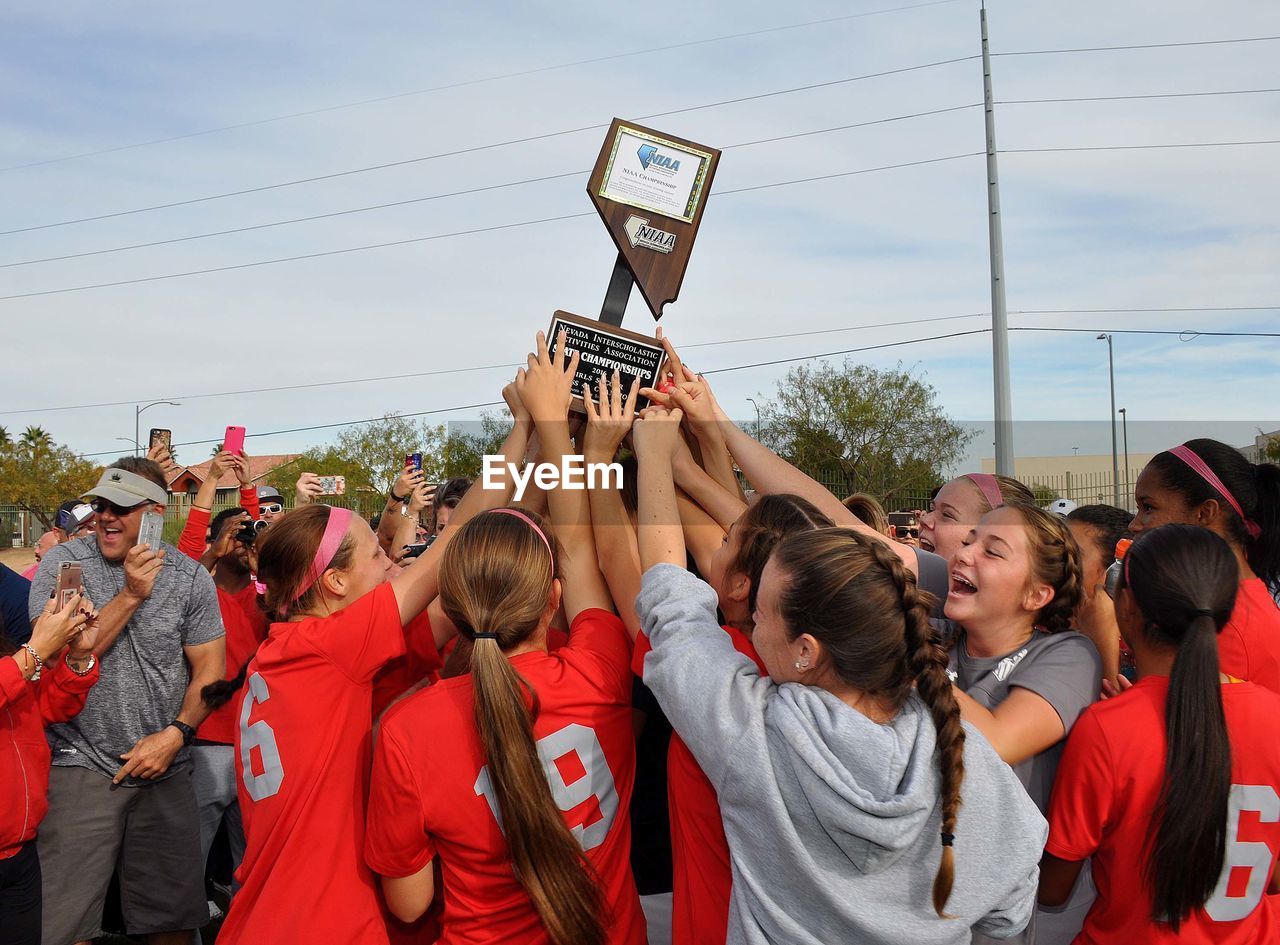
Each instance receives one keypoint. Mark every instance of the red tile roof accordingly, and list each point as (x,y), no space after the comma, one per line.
(259,466)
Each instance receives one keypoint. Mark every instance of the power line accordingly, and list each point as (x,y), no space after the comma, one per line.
(485,367)
(483,147)
(1086,49)
(456,233)
(1138,147)
(495,403)
(1188,334)
(479,81)
(460,193)
(743,367)
(1124,98)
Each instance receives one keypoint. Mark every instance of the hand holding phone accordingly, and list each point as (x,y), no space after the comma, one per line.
(70,581)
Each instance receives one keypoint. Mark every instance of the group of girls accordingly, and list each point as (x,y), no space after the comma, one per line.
(874,742)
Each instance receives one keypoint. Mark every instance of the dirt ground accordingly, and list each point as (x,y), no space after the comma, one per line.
(19,559)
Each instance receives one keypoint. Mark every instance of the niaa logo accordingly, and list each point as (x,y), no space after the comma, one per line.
(649,156)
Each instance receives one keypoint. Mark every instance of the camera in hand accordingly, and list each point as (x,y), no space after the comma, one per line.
(251,530)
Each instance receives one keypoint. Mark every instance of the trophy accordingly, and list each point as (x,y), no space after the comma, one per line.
(650,190)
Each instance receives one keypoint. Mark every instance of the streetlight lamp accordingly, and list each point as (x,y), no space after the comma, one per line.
(752,400)
(128,439)
(137,413)
(1115,449)
(1124,423)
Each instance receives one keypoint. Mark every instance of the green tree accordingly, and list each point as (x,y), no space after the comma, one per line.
(37,474)
(863,429)
(1271,450)
(464,447)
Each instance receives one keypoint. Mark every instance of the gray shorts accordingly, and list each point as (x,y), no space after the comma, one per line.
(150,834)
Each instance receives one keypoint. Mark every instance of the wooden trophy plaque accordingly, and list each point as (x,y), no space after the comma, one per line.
(650,190)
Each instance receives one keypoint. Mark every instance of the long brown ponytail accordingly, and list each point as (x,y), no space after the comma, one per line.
(852,594)
(495,580)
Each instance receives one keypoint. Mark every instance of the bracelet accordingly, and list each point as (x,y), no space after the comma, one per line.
(93,660)
(396,498)
(35,677)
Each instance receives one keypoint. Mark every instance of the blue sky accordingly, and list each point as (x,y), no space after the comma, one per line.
(1118,229)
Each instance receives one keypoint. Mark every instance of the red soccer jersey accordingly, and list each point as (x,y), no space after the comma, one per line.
(246,628)
(1249,645)
(303,752)
(430,794)
(701,876)
(1108,787)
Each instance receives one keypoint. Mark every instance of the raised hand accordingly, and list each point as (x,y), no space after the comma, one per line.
(514,403)
(307,488)
(546,385)
(239,464)
(141,567)
(54,629)
(656,434)
(609,422)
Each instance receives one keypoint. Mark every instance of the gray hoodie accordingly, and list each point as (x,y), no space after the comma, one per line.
(833,820)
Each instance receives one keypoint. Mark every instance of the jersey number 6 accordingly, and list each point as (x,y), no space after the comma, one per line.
(1253,856)
(596,781)
(258,735)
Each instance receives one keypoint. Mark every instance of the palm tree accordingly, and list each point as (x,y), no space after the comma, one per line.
(36,438)
(6,441)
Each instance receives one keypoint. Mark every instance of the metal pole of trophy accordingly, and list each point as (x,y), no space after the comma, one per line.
(650,190)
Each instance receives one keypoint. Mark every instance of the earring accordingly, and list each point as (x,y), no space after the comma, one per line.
(802,665)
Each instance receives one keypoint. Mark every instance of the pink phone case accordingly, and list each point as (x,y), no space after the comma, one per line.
(233,441)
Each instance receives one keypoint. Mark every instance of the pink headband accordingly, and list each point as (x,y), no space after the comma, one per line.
(532,524)
(334,532)
(1188,456)
(989,485)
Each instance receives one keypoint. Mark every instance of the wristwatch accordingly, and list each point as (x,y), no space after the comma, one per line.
(188,733)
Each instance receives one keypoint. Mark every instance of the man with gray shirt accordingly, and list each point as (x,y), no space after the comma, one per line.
(120,792)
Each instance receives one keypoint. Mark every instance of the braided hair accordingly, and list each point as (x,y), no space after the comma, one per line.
(854,596)
(1055,561)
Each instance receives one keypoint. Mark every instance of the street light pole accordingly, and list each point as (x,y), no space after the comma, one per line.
(1115,448)
(1124,423)
(137,414)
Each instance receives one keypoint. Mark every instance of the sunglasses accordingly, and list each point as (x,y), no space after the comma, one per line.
(271,508)
(119,511)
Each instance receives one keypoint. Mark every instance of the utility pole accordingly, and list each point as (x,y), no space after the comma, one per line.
(999,314)
(1124,423)
(1115,447)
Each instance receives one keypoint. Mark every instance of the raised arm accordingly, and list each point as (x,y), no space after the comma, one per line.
(693,395)
(607,426)
(546,389)
(655,437)
(408,480)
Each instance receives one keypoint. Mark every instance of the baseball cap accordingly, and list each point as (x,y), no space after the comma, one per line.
(126,489)
(1063,507)
(72,516)
(270,492)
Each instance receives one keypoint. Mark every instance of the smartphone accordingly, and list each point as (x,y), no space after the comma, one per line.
(161,437)
(70,581)
(150,530)
(333,485)
(414,460)
(233,440)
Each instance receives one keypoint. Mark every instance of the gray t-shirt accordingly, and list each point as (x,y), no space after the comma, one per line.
(144,674)
(1064,669)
